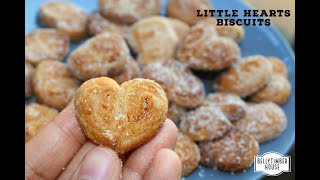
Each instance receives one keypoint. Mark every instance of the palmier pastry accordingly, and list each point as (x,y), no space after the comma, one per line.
(231,105)
(66,17)
(53,84)
(277,91)
(181,28)
(44,44)
(128,11)
(102,55)
(202,48)
(28,76)
(130,71)
(98,24)
(265,121)
(180,85)
(120,117)
(205,123)
(234,32)
(189,153)
(186,10)
(278,66)
(245,77)
(37,116)
(153,39)
(233,152)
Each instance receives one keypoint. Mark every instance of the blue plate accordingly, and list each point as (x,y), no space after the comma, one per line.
(265,40)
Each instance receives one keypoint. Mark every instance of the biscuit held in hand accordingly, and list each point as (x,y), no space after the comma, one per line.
(120,117)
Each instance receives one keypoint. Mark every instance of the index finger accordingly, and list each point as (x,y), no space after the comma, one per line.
(54,146)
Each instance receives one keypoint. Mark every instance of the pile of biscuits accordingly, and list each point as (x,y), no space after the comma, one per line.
(127,40)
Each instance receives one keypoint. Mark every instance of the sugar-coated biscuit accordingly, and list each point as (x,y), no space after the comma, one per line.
(278,66)
(277,90)
(231,104)
(128,11)
(120,117)
(181,28)
(66,17)
(186,10)
(53,84)
(98,24)
(205,123)
(160,73)
(28,76)
(265,121)
(153,39)
(175,112)
(202,48)
(245,76)
(189,153)
(44,44)
(180,85)
(130,71)
(102,55)
(37,116)
(233,152)
(234,32)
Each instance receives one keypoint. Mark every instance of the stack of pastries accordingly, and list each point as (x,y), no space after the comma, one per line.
(218,129)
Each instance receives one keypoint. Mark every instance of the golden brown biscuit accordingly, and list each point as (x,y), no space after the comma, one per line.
(44,44)
(181,28)
(175,112)
(234,152)
(231,105)
(153,39)
(278,66)
(128,11)
(199,33)
(265,121)
(234,32)
(28,76)
(277,90)
(98,24)
(186,10)
(66,17)
(102,55)
(205,123)
(120,117)
(189,153)
(180,85)
(160,73)
(37,116)
(202,48)
(245,76)
(53,84)
(130,71)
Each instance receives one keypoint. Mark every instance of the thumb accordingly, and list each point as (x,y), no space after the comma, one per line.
(100,163)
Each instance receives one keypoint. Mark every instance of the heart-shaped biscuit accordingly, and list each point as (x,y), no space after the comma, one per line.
(120,117)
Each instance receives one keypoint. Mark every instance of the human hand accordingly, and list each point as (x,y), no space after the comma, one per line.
(62,151)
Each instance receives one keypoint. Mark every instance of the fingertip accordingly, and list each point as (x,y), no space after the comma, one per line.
(100,163)
(165,165)
(171,126)
(170,155)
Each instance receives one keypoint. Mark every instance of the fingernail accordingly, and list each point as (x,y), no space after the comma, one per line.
(98,164)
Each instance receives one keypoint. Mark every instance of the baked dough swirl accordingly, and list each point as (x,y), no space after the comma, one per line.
(120,117)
